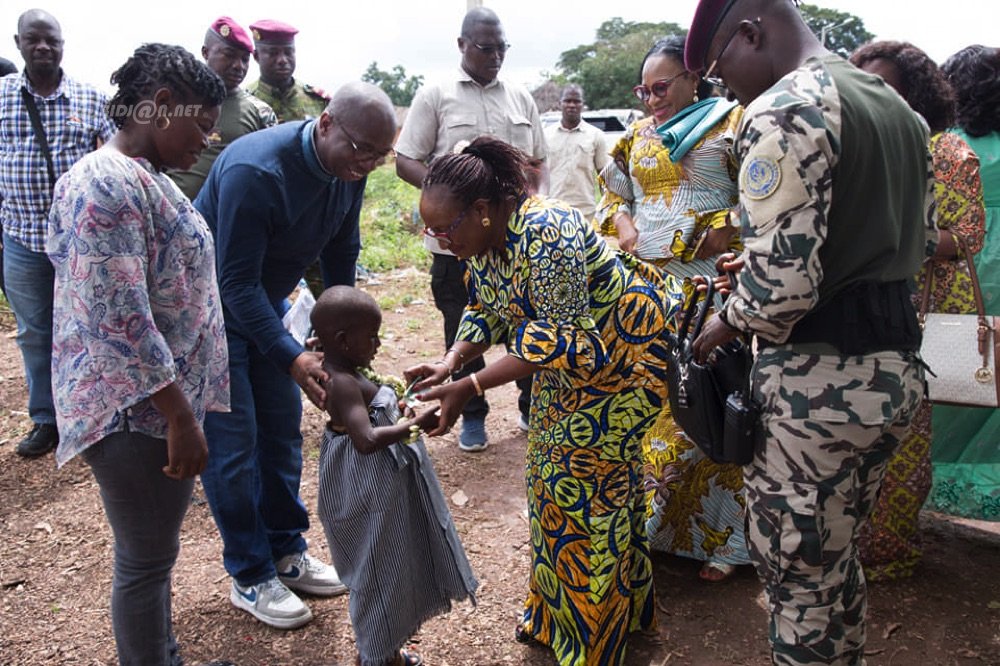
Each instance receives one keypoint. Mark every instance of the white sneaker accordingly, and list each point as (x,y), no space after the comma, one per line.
(305,573)
(522,423)
(272,603)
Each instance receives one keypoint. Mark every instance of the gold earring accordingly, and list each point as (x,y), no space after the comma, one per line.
(486,222)
(166,122)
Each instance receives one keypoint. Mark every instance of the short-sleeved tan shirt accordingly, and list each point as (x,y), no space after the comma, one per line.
(576,156)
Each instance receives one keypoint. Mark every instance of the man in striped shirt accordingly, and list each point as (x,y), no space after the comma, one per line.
(74,120)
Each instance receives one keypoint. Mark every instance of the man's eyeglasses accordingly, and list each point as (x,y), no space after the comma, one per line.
(444,237)
(659,88)
(490,49)
(366,153)
(717,80)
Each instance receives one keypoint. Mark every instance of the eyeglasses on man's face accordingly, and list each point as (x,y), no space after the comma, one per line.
(717,80)
(659,88)
(366,152)
(490,49)
(444,237)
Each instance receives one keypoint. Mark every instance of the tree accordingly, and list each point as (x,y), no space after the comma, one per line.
(396,84)
(608,68)
(843,32)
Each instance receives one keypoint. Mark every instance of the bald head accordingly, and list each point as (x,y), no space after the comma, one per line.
(39,39)
(37,16)
(355,133)
(340,308)
(365,101)
(478,16)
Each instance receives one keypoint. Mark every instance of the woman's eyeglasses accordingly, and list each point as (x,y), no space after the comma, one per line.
(659,88)
(444,237)
(717,80)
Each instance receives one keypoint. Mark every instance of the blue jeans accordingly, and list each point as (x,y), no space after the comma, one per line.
(254,466)
(145,510)
(28,279)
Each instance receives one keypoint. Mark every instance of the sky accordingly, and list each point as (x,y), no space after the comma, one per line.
(338,39)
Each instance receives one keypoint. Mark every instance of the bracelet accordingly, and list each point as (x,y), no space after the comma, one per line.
(476,384)
(445,364)
(461,358)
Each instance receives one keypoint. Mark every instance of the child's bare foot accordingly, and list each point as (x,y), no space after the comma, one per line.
(405,658)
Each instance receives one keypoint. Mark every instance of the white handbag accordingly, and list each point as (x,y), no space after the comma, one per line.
(961,350)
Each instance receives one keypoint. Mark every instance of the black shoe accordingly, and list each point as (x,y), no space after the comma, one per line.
(43,438)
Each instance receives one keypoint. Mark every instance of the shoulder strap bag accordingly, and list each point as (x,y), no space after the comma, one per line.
(36,124)
(961,350)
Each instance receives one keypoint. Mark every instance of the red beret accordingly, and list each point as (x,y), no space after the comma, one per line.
(708,17)
(273,32)
(231,32)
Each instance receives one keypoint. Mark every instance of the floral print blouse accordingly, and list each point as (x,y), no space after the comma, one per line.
(135,305)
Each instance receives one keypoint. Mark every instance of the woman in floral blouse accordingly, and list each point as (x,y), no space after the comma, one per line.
(139,351)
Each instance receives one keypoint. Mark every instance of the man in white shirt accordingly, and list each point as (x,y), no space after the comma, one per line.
(577,153)
(442,116)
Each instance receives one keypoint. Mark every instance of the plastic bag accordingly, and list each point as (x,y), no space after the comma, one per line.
(296,320)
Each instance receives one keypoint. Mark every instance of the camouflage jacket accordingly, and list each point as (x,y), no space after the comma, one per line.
(790,146)
(240,114)
(299,102)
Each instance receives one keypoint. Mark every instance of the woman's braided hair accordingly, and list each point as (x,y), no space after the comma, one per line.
(155,66)
(485,169)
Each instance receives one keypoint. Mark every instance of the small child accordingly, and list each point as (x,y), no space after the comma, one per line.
(386,520)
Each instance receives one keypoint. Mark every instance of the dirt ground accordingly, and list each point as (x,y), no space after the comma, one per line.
(55,561)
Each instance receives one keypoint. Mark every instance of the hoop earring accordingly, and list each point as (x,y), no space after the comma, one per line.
(486,222)
(166,122)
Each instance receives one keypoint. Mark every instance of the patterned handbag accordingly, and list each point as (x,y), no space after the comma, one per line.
(961,350)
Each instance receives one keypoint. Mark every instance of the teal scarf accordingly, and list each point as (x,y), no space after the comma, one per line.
(685,129)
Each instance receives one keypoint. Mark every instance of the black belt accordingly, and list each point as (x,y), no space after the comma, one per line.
(866,317)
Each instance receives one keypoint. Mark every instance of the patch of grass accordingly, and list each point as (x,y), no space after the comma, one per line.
(402,289)
(389,238)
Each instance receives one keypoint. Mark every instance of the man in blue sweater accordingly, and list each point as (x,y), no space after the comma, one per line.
(277,200)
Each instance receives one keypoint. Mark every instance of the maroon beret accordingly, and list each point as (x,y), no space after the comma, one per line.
(269,31)
(708,17)
(231,32)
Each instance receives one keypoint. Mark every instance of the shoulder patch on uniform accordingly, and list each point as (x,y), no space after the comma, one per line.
(760,178)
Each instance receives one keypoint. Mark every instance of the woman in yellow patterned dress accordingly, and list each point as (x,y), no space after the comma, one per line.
(670,207)
(590,323)
(889,543)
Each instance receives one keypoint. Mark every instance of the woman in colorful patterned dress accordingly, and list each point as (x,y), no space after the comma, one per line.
(670,207)
(589,322)
(966,456)
(139,348)
(889,543)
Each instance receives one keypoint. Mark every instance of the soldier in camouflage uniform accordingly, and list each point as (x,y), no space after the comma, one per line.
(275,54)
(838,214)
(226,51)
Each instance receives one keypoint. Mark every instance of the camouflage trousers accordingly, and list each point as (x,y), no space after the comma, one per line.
(829,425)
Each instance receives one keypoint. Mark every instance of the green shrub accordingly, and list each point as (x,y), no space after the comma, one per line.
(389,237)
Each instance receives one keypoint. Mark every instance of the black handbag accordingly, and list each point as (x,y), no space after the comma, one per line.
(711,403)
